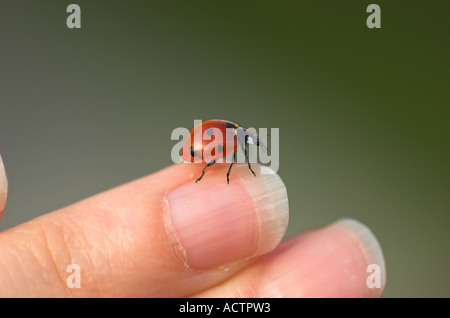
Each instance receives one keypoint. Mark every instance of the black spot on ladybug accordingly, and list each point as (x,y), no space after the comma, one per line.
(220,148)
(193,153)
(209,131)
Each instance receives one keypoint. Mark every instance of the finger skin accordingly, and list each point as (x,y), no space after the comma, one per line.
(121,240)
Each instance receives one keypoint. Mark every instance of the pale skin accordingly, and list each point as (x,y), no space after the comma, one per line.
(127,246)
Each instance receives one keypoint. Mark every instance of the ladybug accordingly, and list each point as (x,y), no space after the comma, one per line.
(216,139)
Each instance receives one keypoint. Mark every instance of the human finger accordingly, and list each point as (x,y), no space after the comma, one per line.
(161,235)
(341,260)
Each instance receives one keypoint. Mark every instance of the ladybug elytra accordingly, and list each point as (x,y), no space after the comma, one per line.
(216,139)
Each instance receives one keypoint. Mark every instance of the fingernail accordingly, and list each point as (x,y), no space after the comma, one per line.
(370,247)
(215,223)
(3,187)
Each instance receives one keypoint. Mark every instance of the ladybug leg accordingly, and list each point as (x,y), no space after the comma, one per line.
(203,171)
(228,173)
(248,162)
(229,169)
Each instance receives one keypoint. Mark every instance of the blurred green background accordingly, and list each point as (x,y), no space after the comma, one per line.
(363,113)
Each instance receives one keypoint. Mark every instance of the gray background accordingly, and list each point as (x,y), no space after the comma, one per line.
(363,114)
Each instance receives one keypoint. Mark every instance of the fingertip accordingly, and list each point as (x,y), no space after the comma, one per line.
(340,260)
(370,247)
(216,223)
(3,187)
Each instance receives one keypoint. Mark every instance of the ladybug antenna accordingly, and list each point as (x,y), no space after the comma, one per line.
(262,143)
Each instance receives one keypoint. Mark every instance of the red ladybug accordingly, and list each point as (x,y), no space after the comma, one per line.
(214,139)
